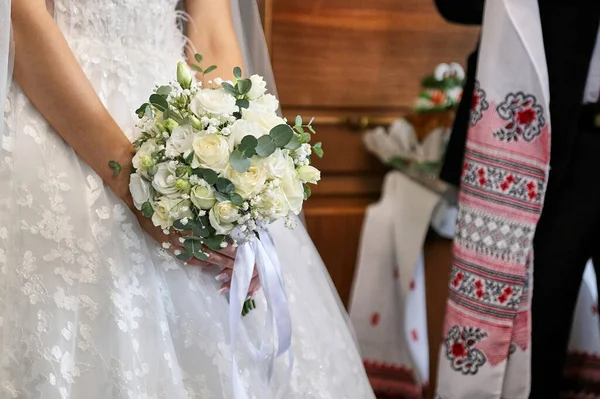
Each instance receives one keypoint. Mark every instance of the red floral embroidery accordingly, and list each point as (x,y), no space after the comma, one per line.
(375,319)
(523,115)
(461,351)
(457,279)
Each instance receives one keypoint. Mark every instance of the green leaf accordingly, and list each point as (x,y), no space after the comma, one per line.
(202,227)
(237,72)
(307,192)
(198,68)
(266,146)
(189,158)
(164,91)
(318,150)
(305,138)
(249,141)
(201,256)
(185,256)
(298,120)
(192,245)
(142,109)
(214,242)
(147,210)
(210,176)
(239,162)
(236,199)
(244,85)
(281,134)
(225,185)
(210,69)
(159,102)
(180,226)
(311,129)
(198,58)
(294,143)
(242,103)
(230,89)
(221,197)
(299,129)
(116,167)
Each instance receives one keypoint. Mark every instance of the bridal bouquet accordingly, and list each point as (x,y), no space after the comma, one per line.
(216,162)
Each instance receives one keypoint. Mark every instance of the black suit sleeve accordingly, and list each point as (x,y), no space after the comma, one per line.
(466,12)
(452,168)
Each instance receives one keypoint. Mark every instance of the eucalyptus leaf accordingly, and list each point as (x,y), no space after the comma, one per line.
(249,141)
(198,58)
(299,129)
(244,86)
(192,245)
(298,120)
(210,176)
(221,197)
(317,149)
(147,210)
(214,242)
(266,146)
(281,134)
(201,256)
(307,192)
(164,91)
(236,199)
(237,72)
(115,166)
(225,185)
(294,143)
(189,158)
(180,226)
(201,229)
(242,103)
(185,256)
(311,129)
(305,138)
(230,89)
(142,109)
(198,68)
(239,162)
(159,102)
(210,69)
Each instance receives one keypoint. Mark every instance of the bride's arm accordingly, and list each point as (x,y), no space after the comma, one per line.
(52,79)
(213,35)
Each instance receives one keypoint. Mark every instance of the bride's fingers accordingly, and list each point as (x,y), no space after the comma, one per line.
(219,259)
(228,251)
(254,286)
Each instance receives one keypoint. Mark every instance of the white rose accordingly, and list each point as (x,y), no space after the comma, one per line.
(292,187)
(167,210)
(274,204)
(267,103)
(165,179)
(140,190)
(268,120)
(211,152)
(259,87)
(309,174)
(142,160)
(278,162)
(223,216)
(242,128)
(180,141)
(203,196)
(251,182)
(215,102)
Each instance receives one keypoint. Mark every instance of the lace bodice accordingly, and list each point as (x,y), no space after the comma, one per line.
(151,26)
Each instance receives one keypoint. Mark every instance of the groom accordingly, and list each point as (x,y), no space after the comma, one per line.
(568,232)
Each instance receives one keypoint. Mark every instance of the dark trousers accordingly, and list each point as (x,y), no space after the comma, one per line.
(568,235)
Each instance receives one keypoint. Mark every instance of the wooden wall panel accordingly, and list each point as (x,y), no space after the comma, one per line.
(360,53)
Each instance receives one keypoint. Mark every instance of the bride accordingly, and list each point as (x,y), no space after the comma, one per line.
(91,307)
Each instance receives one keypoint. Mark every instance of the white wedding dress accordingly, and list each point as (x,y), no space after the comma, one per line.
(90,308)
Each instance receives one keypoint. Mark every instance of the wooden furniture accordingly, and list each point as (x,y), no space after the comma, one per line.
(354,64)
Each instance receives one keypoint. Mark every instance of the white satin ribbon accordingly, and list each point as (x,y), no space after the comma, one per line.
(261,252)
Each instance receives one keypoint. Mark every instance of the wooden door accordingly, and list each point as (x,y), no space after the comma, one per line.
(354,64)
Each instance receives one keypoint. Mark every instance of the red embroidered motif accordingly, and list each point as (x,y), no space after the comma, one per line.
(478,105)
(415,335)
(375,319)
(525,118)
(461,351)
